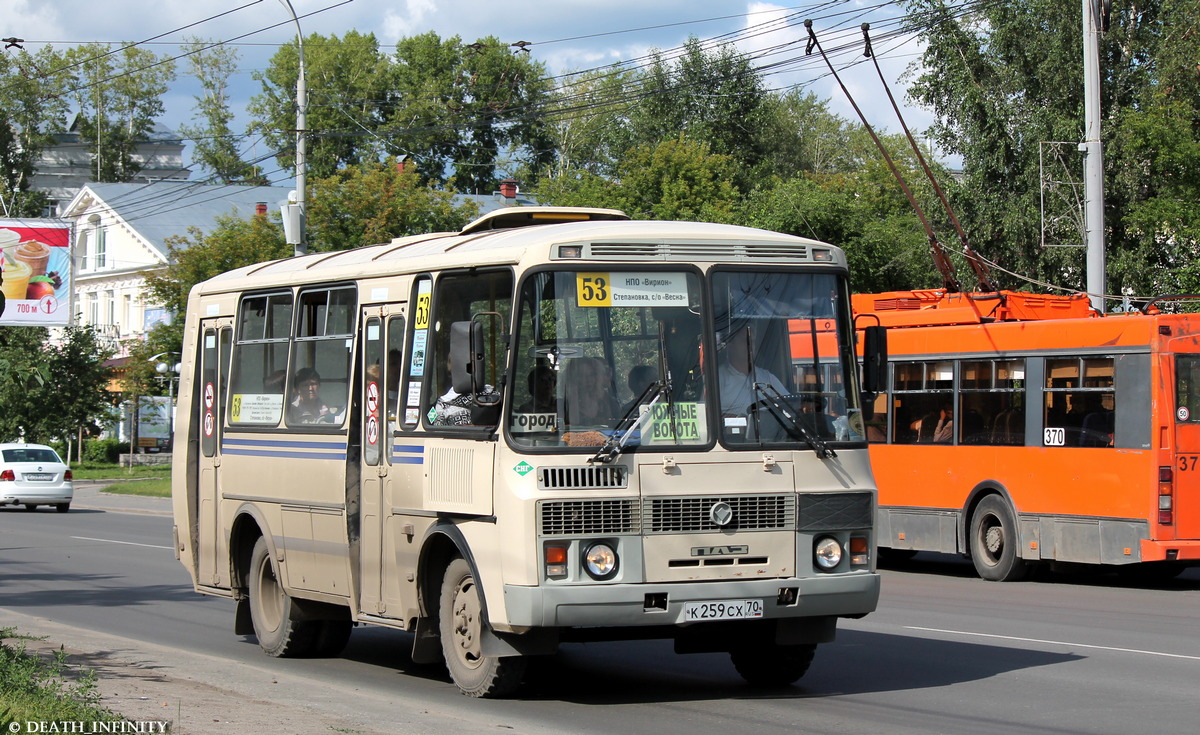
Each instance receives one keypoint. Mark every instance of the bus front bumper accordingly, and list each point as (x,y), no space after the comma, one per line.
(575,605)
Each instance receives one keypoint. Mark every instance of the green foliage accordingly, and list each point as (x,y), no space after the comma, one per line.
(72,392)
(1007,76)
(375,202)
(349,94)
(38,689)
(118,96)
(28,119)
(109,451)
(214,144)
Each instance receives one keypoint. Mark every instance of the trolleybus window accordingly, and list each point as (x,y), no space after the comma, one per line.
(1078,408)
(1187,389)
(923,402)
(992,402)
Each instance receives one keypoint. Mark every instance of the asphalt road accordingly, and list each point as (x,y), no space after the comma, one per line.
(945,652)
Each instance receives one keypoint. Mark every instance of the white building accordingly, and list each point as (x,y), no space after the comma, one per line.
(121,232)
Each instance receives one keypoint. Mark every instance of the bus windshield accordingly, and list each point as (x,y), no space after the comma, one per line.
(784,352)
(598,352)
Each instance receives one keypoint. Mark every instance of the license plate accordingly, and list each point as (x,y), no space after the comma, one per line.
(39,476)
(722,610)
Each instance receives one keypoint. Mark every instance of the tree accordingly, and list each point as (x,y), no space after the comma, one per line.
(587,121)
(375,202)
(459,107)
(1003,77)
(29,116)
(676,179)
(214,144)
(118,95)
(73,393)
(196,257)
(349,86)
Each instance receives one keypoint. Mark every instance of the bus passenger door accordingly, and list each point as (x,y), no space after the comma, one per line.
(210,540)
(372,508)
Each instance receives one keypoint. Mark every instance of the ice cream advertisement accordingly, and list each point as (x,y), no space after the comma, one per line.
(35,262)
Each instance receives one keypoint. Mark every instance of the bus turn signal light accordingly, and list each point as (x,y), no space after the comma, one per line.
(556,561)
(859,555)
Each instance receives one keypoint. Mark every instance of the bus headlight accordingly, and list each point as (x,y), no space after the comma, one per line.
(827,552)
(600,561)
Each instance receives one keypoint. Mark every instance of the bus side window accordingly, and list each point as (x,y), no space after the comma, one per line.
(457,298)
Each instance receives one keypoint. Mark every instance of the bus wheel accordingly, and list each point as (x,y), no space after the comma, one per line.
(773,666)
(277,626)
(332,637)
(995,542)
(461,627)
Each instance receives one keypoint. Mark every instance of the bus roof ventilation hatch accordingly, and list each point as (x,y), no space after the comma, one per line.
(511,217)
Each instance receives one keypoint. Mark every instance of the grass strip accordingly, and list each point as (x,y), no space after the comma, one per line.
(35,688)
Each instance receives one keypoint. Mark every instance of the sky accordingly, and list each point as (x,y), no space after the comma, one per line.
(565,35)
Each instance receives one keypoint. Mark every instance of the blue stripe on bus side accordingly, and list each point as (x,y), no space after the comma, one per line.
(284,448)
(408,454)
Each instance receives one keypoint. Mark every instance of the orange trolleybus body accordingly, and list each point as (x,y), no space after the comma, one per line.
(1071,437)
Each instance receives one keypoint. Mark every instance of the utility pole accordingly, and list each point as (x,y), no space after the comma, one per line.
(1093,158)
(294,213)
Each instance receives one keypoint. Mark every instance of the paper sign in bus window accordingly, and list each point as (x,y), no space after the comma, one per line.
(256,408)
(631,289)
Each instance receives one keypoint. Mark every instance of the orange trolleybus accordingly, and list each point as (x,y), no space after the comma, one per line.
(1019,428)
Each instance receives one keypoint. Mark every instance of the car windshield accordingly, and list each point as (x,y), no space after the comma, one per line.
(597,347)
(30,454)
(784,352)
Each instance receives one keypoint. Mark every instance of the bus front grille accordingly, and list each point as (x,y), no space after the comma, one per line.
(587,517)
(695,514)
(582,478)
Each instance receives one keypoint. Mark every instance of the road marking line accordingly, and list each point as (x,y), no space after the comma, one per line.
(127,543)
(1054,643)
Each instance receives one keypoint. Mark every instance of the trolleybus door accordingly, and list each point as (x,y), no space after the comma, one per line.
(1186,472)
(208,419)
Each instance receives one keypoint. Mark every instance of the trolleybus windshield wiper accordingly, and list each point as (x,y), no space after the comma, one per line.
(790,419)
(623,431)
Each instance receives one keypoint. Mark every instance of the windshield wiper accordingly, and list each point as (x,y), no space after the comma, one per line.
(623,431)
(790,420)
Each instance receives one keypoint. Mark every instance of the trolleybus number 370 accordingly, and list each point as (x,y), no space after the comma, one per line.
(724,610)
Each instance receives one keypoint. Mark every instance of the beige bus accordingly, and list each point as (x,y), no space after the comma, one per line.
(556,425)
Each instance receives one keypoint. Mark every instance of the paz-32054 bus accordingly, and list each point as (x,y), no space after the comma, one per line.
(554,425)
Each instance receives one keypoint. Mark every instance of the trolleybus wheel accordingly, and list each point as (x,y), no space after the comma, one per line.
(461,626)
(773,666)
(277,623)
(994,542)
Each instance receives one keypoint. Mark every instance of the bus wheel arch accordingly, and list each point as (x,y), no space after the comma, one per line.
(993,537)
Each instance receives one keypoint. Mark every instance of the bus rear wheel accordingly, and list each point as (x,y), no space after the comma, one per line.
(773,666)
(277,622)
(461,626)
(995,542)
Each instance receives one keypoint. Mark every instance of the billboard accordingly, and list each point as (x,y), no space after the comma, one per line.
(35,262)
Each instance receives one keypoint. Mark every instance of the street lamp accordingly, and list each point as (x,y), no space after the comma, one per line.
(294,214)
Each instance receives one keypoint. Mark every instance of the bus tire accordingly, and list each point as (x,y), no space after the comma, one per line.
(461,626)
(773,666)
(995,542)
(277,623)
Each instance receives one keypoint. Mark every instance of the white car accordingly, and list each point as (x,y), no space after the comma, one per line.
(33,475)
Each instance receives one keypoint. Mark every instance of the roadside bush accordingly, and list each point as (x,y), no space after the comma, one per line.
(103,451)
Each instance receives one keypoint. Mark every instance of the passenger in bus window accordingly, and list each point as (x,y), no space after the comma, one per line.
(542,383)
(588,393)
(640,378)
(307,407)
(736,375)
(461,409)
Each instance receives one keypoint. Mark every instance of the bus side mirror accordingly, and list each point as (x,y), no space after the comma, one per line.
(875,358)
(466,357)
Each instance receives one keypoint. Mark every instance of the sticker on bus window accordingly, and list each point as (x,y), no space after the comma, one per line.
(256,408)
(1054,437)
(678,423)
(421,316)
(631,289)
(414,394)
(417,363)
(1182,413)
(534,423)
